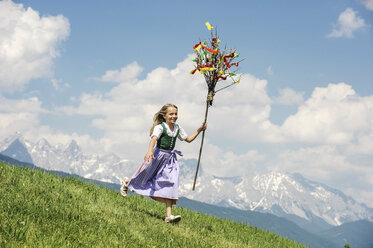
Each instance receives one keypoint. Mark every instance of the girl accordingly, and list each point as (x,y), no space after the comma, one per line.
(158,176)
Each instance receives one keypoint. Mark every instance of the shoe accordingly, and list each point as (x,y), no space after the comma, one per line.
(124,186)
(172,219)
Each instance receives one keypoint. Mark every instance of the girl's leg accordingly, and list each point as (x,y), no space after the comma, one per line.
(169,217)
(168,207)
(168,203)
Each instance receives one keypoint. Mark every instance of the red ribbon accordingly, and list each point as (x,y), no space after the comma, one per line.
(221,77)
(210,50)
(196,45)
(226,62)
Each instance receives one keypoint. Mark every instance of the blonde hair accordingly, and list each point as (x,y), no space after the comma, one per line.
(158,117)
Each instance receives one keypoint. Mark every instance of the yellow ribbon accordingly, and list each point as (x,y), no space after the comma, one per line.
(239,79)
(205,69)
(209,27)
(197,48)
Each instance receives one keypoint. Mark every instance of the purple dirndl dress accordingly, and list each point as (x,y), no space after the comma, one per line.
(160,177)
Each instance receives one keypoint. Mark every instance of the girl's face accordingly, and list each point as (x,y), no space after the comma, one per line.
(171,115)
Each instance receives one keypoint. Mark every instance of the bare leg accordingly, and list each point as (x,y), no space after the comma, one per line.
(168,203)
(168,207)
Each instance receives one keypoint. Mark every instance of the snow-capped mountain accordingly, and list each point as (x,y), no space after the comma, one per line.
(67,158)
(283,194)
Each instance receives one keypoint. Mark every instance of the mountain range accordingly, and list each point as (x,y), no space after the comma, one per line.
(312,205)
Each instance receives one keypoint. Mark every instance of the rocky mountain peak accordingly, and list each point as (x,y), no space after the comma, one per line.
(43,144)
(18,150)
(73,148)
(9,140)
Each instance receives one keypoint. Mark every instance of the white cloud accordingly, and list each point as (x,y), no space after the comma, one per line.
(125,113)
(127,73)
(333,133)
(58,84)
(329,164)
(289,96)
(332,115)
(348,23)
(318,162)
(18,115)
(368,4)
(23,115)
(28,44)
(227,163)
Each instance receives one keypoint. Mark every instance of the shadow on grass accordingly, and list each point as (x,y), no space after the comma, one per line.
(151,214)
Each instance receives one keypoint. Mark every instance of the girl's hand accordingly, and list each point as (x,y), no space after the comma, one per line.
(191,137)
(203,127)
(149,156)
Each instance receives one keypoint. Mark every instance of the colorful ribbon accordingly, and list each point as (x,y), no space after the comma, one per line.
(210,50)
(209,27)
(204,61)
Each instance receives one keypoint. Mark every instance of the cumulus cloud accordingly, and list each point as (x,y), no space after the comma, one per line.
(127,73)
(23,116)
(332,115)
(18,115)
(321,162)
(224,162)
(334,130)
(348,23)
(125,113)
(28,44)
(289,96)
(58,84)
(368,4)
(329,164)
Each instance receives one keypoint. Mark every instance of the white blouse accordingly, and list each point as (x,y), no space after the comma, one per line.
(158,130)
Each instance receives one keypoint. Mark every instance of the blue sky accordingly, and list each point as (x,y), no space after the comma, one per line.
(97,71)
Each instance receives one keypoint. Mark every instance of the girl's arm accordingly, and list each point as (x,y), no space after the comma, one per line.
(194,135)
(149,155)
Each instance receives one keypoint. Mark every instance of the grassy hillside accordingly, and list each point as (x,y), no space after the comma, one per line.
(38,209)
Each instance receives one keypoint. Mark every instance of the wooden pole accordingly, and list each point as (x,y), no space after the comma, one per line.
(203,137)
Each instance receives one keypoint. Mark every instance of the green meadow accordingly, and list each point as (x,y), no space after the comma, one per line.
(38,209)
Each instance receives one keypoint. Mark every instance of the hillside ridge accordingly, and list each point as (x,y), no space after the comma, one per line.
(39,209)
